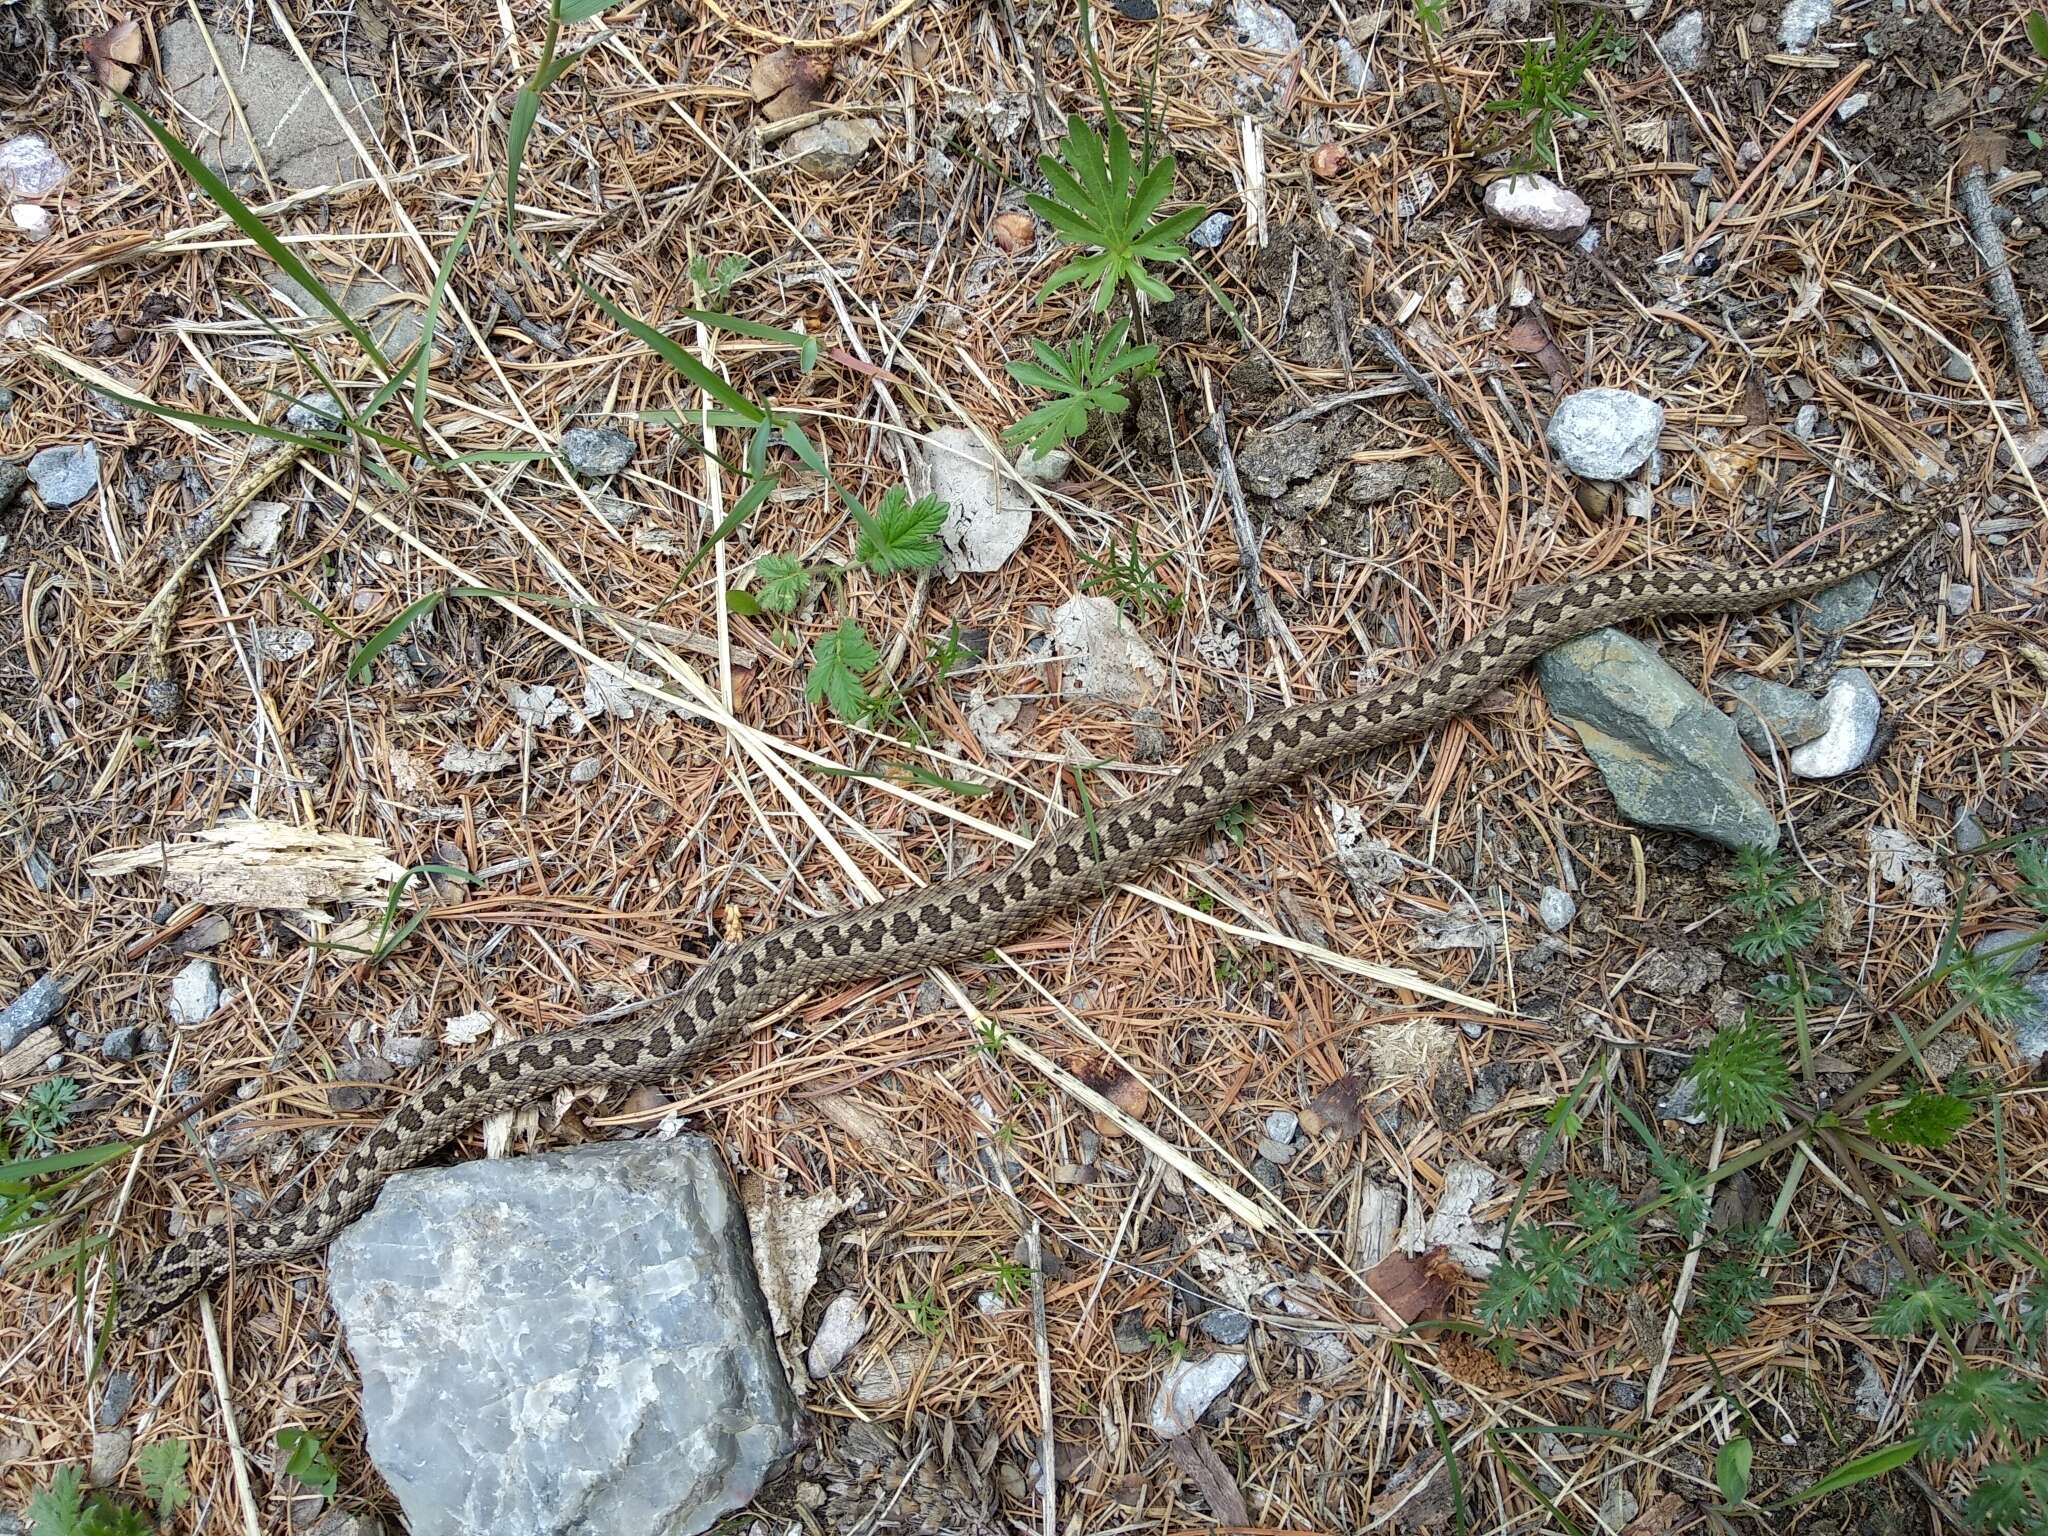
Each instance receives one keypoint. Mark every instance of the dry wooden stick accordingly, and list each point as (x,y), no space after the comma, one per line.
(1974,193)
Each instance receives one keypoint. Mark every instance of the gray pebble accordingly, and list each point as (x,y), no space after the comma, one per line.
(1838,608)
(1969,833)
(1282,1125)
(122,1044)
(115,1397)
(1225,1325)
(12,478)
(66,474)
(319,412)
(32,1010)
(2009,947)
(1278,1153)
(1958,598)
(1208,234)
(597,453)
(1769,716)
(1555,909)
(1604,434)
(1130,1333)
(110,1449)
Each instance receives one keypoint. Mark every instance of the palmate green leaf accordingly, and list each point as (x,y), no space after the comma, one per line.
(1978,1400)
(1921,1119)
(1612,1251)
(2011,1495)
(161,1466)
(1938,1302)
(783,582)
(903,535)
(840,663)
(1101,199)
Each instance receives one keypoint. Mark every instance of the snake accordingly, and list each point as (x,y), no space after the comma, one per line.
(967,917)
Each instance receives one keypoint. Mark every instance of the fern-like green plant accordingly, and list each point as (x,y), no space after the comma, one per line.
(1742,1076)
(1085,378)
(1103,199)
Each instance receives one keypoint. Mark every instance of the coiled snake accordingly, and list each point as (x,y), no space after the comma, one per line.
(966,917)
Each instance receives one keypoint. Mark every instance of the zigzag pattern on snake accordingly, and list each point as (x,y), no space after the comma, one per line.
(966,917)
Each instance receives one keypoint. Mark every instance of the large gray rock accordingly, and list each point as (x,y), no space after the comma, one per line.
(1669,758)
(296,137)
(573,1342)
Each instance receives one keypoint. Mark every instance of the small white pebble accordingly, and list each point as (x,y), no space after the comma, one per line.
(1556,909)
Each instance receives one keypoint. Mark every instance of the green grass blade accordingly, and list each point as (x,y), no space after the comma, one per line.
(216,423)
(1862,1469)
(378,643)
(678,359)
(432,314)
(245,219)
(62,1162)
(742,509)
(718,320)
(525,109)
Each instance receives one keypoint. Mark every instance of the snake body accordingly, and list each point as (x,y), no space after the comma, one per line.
(969,916)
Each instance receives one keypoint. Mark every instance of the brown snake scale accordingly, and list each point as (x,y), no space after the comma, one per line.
(968,916)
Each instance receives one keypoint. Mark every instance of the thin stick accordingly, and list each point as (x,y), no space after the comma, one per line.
(237,1457)
(1975,197)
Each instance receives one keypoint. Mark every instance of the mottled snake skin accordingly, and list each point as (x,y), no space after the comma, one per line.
(967,917)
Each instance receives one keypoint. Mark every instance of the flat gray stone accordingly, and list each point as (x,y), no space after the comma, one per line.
(66,474)
(597,453)
(383,306)
(1605,434)
(569,1343)
(1555,909)
(1683,41)
(987,515)
(833,148)
(1538,204)
(1801,19)
(1771,716)
(1669,758)
(296,137)
(1843,607)
(2030,1029)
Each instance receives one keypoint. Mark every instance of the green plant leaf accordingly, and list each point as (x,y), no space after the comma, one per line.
(2037,32)
(903,535)
(574,11)
(704,379)
(1742,1075)
(383,639)
(307,1461)
(431,315)
(1731,1469)
(1921,1119)
(784,581)
(1861,1470)
(742,603)
(748,504)
(246,220)
(806,346)
(840,661)
(161,1466)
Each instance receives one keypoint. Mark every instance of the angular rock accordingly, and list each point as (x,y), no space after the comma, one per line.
(1210,233)
(66,474)
(612,1372)
(1105,657)
(195,993)
(987,516)
(1263,28)
(1187,1390)
(1537,204)
(1555,909)
(833,148)
(1771,716)
(597,453)
(296,136)
(2030,1029)
(318,412)
(1683,42)
(1851,708)
(35,1007)
(1843,607)
(30,169)
(1801,19)
(1604,434)
(12,478)
(843,1326)
(1669,758)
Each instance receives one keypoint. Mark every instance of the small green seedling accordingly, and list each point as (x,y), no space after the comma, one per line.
(1102,199)
(1085,379)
